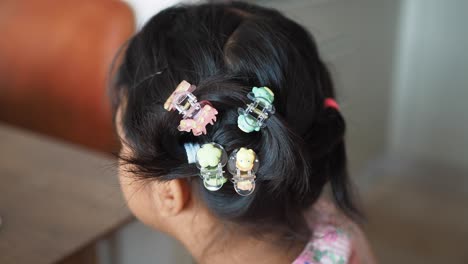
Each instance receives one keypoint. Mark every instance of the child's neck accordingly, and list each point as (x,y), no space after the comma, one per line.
(246,250)
(211,242)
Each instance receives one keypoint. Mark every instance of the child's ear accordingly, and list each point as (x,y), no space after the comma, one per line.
(171,197)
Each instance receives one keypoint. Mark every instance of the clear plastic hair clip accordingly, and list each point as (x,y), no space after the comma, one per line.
(211,158)
(243,164)
(183,86)
(254,116)
(195,115)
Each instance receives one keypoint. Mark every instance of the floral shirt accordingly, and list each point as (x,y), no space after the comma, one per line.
(335,240)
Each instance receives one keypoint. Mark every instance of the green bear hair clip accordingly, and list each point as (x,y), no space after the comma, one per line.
(254,116)
(210,159)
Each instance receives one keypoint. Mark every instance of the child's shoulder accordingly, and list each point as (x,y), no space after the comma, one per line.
(336,238)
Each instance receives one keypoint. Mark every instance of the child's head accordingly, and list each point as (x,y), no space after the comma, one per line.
(225,50)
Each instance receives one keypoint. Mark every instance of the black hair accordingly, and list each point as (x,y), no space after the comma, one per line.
(225,49)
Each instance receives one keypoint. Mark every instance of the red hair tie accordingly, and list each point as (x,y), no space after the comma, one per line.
(330,102)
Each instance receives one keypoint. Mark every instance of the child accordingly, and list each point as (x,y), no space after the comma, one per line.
(229,134)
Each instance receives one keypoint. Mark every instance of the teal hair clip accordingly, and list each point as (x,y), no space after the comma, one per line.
(258,111)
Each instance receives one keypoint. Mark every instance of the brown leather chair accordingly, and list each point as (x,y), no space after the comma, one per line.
(55,58)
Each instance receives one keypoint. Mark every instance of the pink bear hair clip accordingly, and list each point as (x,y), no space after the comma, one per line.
(195,115)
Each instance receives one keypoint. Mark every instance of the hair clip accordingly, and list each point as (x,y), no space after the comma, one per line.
(211,158)
(243,164)
(254,116)
(195,115)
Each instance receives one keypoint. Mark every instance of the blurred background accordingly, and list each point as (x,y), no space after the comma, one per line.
(400,67)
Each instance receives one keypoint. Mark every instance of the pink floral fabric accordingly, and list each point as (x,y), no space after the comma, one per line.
(329,245)
(335,240)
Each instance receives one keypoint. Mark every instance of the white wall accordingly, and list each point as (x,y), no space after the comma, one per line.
(430,108)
